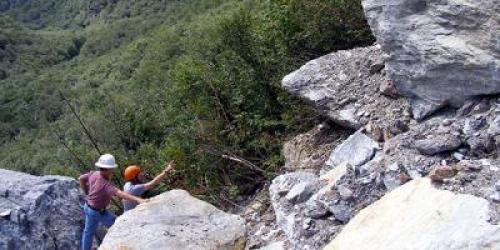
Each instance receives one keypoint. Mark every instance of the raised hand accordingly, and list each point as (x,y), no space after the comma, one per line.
(170,167)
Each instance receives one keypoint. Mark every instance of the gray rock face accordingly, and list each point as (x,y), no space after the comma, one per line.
(350,86)
(356,150)
(443,52)
(39,212)
(176,220)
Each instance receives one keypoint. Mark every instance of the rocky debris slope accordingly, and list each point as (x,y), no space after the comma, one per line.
(176,220)
(308,152)
(431,218)
(456,147)
(396,139)
(440,52)
(312,208)
(39,212)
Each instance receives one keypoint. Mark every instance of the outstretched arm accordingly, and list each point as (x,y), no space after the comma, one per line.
(159,178)
(126,196)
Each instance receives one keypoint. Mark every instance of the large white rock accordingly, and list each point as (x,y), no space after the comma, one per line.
(419,216)
(176,220)
(443,52)
(39,212)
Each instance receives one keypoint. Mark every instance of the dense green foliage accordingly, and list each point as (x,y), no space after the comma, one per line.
(195,81)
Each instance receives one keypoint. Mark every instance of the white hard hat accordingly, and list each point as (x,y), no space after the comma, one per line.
(106,161)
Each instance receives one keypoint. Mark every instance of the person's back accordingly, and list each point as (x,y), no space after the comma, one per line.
(100,190)
(133,189)
(134,177)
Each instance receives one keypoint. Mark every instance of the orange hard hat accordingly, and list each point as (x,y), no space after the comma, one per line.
(131,172)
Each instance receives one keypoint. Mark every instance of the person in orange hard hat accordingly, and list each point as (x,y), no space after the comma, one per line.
(134,178)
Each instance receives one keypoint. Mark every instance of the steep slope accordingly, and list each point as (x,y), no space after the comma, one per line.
(195,81)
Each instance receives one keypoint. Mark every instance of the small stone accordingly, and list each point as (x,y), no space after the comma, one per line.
(346,117)
(387,135)
(447,122)
(341,212)
(315,210)
(495,197)
(497,186)
(421,108)
(393,179)
(469,165)
(282,184)
(5,213)
(393,167)
(438,144)
(439,173)
(356,150)
(390,181)
(387,88)
(458,156)
(414,174)
(257,206)
(307,224)
(337,173)
(366,180)
(494,127)
(481,144)
(398,126)
(374,131)
(300,192)
(345,193)
(308,221)
(376,67)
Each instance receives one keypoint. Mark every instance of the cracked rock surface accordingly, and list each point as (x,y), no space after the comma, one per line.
(39,212)
(176,220)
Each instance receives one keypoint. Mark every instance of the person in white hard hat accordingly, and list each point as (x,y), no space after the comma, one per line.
(99,191)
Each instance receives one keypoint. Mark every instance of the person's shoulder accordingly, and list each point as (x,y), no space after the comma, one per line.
(86,175)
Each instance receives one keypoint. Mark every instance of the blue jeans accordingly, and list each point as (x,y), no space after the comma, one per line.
(92,220)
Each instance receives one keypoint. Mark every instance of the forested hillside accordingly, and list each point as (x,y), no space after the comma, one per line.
(196,81)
